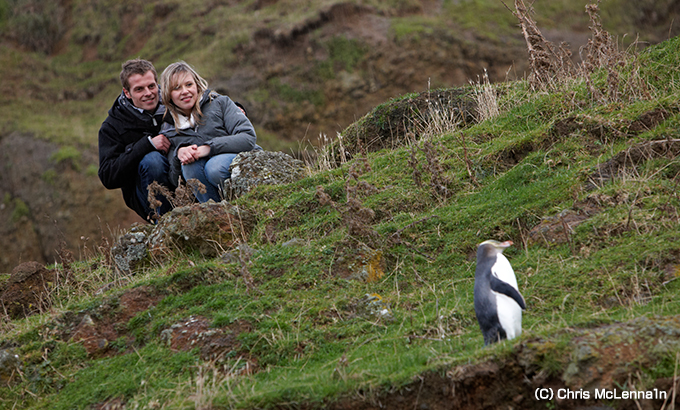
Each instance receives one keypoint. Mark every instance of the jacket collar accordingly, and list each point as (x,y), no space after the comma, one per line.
(208,95)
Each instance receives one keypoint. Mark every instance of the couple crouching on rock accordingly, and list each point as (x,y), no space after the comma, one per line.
(181,129)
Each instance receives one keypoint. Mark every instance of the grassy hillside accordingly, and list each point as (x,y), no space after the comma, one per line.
(304,69)
(359,290)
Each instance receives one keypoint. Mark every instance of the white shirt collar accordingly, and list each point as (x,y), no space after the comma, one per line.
(185,122)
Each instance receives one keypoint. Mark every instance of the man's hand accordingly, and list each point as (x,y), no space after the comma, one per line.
(161,143)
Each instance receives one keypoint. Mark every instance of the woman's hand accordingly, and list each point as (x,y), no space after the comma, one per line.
(203,151)
(186,155)
(191,153)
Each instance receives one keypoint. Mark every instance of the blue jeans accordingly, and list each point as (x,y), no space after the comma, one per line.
(212,172)
(153,167)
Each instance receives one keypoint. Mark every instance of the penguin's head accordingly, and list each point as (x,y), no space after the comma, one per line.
(492,247)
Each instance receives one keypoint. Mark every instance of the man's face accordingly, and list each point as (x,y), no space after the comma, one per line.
(143,91)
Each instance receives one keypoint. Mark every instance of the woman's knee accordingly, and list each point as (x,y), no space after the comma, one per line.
(193,170)
(217,168)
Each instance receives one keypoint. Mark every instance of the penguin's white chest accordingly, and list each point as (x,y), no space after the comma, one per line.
(509,312)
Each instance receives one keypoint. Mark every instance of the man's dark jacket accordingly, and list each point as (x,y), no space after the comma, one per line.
(123,142)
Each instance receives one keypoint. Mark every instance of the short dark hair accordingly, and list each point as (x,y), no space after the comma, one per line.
(136,66)
(239,105)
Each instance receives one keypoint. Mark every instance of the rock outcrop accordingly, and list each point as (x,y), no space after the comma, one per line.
(253,168)
(28,290)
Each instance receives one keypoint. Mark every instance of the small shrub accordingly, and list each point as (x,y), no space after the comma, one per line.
(20,210)
(67,153)
(49,176)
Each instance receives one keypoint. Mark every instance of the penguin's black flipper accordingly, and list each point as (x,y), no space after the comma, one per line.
(499,286)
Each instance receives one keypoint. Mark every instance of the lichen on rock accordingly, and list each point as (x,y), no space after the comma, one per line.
(130,249)
(253,168)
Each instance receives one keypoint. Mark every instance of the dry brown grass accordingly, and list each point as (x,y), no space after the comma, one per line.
(439,182)
(487,101)
(602,53)
(327,154)
(551,66)
(182,196)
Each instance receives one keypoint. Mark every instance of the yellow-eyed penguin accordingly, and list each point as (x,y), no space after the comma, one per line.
(498,303)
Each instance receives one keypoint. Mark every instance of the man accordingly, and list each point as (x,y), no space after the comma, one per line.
(131,151)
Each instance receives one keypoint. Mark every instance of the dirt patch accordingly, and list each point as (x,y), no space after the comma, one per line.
(98,329)
(626,162)
(557,229)
(513,155)
(589,127)
(649,120)
(28,290)
(213,344)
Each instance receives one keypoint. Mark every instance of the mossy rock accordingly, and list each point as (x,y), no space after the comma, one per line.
(394,123)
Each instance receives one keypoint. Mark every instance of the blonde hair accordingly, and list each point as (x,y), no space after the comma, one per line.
(169,82)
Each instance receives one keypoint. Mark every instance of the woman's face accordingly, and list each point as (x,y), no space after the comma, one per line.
(185,93)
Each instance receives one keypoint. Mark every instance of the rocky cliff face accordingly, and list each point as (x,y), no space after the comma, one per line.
(51,201)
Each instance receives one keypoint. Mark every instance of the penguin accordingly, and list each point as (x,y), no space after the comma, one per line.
(498,303)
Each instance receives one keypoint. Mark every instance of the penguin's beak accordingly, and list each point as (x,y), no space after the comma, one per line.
(505,244)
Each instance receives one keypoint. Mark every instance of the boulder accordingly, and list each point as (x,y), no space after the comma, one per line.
(253,168)
(28,290)
(208,228)
(130,249)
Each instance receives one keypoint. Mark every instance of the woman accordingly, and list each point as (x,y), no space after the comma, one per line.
(207,130)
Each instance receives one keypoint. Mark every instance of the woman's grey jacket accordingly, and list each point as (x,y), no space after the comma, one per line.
(223,127)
